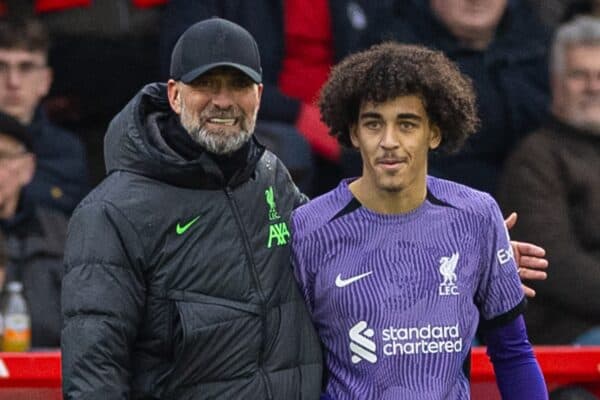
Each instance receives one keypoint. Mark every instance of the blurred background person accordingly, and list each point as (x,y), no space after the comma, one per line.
(61,178)
(552,181)
(35,235)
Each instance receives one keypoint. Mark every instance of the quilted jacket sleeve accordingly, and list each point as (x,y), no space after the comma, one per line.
(102,303)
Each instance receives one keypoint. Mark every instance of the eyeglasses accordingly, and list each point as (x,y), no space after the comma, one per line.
(25,69)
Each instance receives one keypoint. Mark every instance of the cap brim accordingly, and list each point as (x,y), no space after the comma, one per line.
(193,74)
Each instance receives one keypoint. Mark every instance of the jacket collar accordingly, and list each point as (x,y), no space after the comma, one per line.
(565,129)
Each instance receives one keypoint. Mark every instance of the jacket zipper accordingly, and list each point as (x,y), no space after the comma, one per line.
(248,251)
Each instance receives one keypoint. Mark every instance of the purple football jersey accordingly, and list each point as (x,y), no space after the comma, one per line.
(396,299)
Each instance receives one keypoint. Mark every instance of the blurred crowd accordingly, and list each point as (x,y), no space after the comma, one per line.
(67,66)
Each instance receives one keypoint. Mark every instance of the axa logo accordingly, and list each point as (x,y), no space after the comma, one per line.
(362,346)
(447,269)
(278,231)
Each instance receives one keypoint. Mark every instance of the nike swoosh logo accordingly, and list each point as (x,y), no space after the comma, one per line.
(339,282)
(182,229)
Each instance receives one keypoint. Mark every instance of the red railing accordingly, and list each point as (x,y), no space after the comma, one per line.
(30,376)
(37,376)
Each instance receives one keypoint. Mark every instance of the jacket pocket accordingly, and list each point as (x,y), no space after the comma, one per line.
(219,339)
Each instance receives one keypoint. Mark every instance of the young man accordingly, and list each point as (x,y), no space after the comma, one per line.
(397,267)
(61,178)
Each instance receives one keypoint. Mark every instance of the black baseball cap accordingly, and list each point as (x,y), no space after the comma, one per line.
(212,43)
(9,126)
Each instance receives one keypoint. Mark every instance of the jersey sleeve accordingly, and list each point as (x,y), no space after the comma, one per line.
(517,371)
(499,295)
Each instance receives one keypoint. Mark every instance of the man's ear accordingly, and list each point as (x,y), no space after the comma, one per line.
(260,92)
(174,95)
(435,137)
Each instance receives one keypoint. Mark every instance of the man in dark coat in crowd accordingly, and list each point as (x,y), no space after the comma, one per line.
(552,181)
(61,179)
(35,234)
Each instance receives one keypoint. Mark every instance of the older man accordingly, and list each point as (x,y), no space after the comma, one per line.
(552,180)
(178,281)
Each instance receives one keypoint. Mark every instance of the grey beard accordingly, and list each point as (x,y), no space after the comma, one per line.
(217,142)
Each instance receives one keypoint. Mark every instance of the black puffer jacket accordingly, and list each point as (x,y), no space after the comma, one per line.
(177,284)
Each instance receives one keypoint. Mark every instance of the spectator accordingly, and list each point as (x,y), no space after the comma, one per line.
(298,44)
(60,180)
(502,48)
(552,181)
(35,235)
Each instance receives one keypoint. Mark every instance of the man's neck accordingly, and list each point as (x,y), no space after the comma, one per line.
(388,201)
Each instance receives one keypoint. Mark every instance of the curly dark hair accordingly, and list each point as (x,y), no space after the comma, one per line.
(389,70)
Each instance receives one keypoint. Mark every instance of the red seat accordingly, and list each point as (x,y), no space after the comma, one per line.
(37,375)
(560,364)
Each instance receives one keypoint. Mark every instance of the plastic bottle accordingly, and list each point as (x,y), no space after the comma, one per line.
(17,323)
